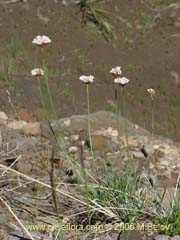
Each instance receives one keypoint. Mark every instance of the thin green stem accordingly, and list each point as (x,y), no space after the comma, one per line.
(48,90)
(53,188)
(152,106)
(126,124)
(125,115)
(89,126)
(75,167)
(42,99)
(53,109)
(118,122)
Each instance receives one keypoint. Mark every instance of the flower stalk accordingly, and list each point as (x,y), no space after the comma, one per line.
(89,125)
(42,42)
(47,84)
(152,93)
(125,115)
(118,121)
(87,80)
(54,194)
(38,73)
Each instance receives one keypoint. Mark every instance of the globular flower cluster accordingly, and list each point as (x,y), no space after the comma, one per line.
(152,92)
(41,40)
(37,72)
(121,81)
(116,73)
(87,79)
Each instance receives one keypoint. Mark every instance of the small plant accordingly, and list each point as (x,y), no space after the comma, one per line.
(10,65)
(152,93)
(43,41)
(113,196)
(131,68)
(172,217)
(38,73)
(146,21)
(118,198)
(116,72)
(14,46)
(123,82)
(88,80)
(174,221)
(92,13)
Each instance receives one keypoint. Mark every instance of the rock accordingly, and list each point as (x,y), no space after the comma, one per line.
(33,129)
(112,133)
(3,118)
(4,217)
(74,137)
(45,130)
(21,235)
(38,114)
(164,163)
(134,234)
(175,77)
(24,143)
(99,120)
(162,237)
(100,143)
(137,154)
(66,123)
(151,166)
(177,237)
(25,115)
(16,125)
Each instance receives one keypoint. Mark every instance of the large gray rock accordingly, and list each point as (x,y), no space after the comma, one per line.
(177,237)
(98,120)
(162,237)
(3,118)
(33,129)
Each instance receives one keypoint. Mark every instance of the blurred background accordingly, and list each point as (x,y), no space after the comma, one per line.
(91,37)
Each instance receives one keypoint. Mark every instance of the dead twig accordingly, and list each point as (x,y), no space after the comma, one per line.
(54,195)
(14,215)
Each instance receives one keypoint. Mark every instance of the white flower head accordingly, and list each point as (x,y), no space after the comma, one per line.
(116,72)
(121,81)
(87,79)
(37,72)
(41,40)
(73,150)
(152,92)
